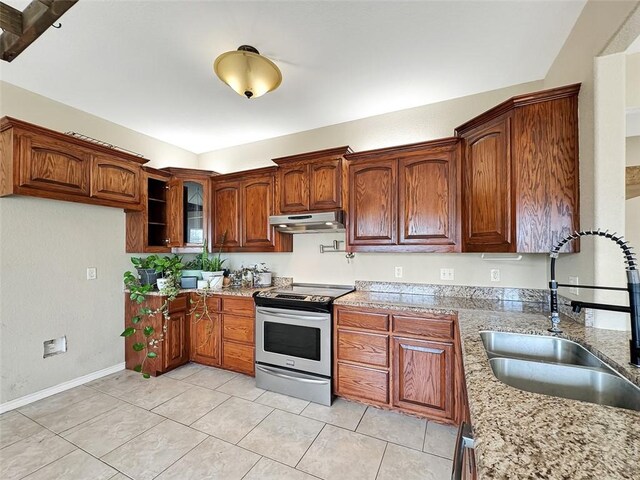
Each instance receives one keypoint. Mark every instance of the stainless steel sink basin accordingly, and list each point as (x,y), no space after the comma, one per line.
(567,381)
(538,348)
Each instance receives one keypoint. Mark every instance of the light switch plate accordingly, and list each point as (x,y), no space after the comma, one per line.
(447,274)
(397,272)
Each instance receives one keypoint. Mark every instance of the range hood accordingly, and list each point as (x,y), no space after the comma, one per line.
(319,222)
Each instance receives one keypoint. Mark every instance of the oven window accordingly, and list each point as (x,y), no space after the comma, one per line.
(292,340)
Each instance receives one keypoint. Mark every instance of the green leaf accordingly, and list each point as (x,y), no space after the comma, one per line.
(148,331)
(137,368)
(128,332)
(152,354)
(136,319)
(145,311)
(138,346)
(146,375)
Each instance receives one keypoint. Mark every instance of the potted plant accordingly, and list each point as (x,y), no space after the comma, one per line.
(170,268)
(193,268)
(212,270)
(146,268)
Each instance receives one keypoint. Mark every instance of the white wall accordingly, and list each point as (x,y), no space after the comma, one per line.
(407,126)
(45,248)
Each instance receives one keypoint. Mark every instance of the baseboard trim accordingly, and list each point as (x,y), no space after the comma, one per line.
(47,392)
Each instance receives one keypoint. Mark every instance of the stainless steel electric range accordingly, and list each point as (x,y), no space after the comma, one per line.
(293,340)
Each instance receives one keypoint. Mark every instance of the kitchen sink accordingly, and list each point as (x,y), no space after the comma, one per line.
(567,381)
(538,348)
(558,367)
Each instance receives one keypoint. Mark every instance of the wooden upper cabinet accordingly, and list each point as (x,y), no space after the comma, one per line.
(226,214)
(257,205)
(311,182)
(114,179)
(52,165)
(487,187)
(325,185)
(427,199)
(174,208)
(39,162)
(405,199)
(372,203)
(242,204)
(520,174)
(294,181)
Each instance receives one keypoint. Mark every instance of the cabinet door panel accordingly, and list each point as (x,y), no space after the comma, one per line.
(257,203)
(52,165)
(325,185)
(487,188)
(423,376)
(174,213)
(372,206)
(226,214)
(294,188)
(205,338)
(362,383)
(238,329)
(114,179)
(427,199)
(175,345)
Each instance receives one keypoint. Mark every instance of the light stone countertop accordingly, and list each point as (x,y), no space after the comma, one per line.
(523,435)
(231,291)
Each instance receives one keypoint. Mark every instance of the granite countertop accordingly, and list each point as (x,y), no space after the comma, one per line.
(231,291)
(519,434)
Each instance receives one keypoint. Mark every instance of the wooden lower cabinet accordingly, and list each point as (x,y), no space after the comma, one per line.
(225,336)
(423,376)
(398,361)
(176,346)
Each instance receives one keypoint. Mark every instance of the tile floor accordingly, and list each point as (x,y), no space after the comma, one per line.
(204,423)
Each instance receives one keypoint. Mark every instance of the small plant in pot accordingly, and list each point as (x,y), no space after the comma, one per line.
(146,267)
(193,268)
(212,270)
(170,268)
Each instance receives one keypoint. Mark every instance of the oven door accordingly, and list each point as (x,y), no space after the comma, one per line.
(294,339)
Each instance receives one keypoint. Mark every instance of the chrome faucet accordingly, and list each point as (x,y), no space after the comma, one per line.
(633,288)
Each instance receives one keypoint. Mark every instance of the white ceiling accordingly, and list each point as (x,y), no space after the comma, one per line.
(148,65)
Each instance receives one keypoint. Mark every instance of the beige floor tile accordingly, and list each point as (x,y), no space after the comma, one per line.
(151,392)
(210,377)
(267,469)
(116,383)
(282,402)
(408,464)
(155,450)
(232,419)
(79,412)
(342,413)
(440,440)
(241,386)
(51,404)
(393,427)
(189,406)
(184,371)
(15,427)
(110,430)
(28,455)
(78,465)
(213,459)
(119,476)
(283,437)
(339,454)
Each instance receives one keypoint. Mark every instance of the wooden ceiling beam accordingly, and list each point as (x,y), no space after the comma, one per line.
(36,18)
(10,19)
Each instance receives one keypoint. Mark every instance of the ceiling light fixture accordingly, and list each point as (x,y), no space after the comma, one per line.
(247,72)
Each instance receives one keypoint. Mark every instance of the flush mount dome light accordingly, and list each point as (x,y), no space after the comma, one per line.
(247,72)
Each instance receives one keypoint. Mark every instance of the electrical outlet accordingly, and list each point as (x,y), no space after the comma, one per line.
(398,272)
(92,273)
(54,346)
(446,274)
(574,281)
(495,275)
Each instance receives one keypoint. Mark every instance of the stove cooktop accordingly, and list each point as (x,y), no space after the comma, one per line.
(300,294)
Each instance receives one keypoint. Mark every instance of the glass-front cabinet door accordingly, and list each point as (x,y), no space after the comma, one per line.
(193,223)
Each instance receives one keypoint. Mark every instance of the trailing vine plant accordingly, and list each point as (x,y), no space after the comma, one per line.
(147,338)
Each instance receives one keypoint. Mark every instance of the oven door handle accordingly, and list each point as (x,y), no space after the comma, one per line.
(277,313)
(464,441)
(290,377)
